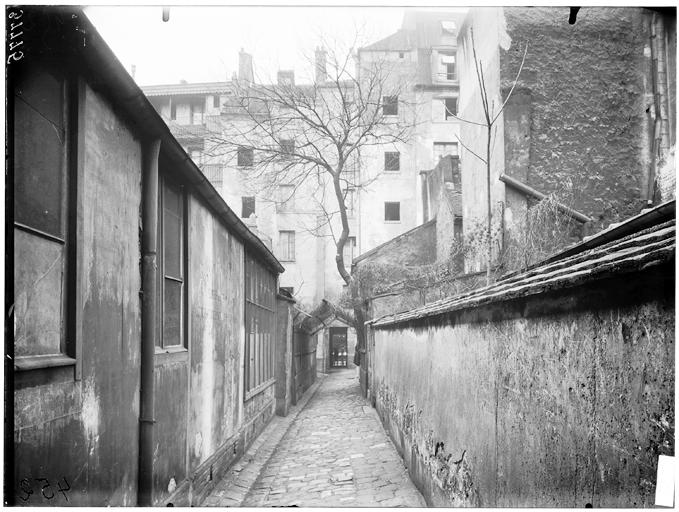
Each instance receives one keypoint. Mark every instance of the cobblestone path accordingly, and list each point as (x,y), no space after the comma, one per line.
(334,453)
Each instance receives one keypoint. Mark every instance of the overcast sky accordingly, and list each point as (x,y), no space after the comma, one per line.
(201,44)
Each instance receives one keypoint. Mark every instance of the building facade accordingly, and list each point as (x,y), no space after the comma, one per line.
(144,310)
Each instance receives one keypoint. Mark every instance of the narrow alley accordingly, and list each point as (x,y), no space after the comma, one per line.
(331,451)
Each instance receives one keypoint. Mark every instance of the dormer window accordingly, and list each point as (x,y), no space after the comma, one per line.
(448,27)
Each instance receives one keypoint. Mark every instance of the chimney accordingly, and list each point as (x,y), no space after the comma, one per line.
(245,72)
(321,72)
(286,78)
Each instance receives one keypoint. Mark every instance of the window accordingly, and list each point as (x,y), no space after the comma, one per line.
(392,212)
(248,206)
(172,266)
(44,106)
(286,198)
(450,108)
(442,149)
(448,27)
(401,55)
(349,249)
(215,101)
(286,245)
(173,111)
(390,105)
(446,69)
(260,325)
(287,146)
(245,157)
(392,161)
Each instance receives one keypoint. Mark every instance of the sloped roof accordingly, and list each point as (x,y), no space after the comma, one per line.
(634,252)
(399,40)
(326,310)
(187,89)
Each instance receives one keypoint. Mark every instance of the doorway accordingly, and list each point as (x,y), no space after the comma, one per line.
(338,347)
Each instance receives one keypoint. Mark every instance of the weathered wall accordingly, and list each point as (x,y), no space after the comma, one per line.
(304,363)
(586,89)
(283,372)
(86,431)
(414,247)
(560,400)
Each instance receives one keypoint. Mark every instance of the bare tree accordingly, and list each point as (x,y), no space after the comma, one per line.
(490,117)
(313,135)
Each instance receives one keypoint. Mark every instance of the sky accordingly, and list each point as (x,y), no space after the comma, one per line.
(201,43)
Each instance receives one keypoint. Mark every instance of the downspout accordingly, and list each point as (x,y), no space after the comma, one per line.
(650,187)
(149,242)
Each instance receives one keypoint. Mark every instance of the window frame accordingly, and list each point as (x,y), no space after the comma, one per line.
(443,73)
(287,256)
(250,199)
(72,101)
(447,115)
(390,158)
(441,155)
(392,221)
(287,205)
(245,151)
(160,346)
(391,103)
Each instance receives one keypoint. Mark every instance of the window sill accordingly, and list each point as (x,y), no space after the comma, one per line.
(24,363)
(392,221)
(286,261)
(171,355)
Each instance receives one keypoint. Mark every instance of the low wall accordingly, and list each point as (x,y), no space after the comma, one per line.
(564,399)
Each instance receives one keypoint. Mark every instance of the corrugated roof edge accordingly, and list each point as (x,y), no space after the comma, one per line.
(112,79)
(657,238)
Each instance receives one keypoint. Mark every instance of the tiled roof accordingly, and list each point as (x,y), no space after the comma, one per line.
(187,89)
(633,252)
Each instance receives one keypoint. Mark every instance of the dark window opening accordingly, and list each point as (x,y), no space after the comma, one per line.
(287,146)
(172,260)
(401,55)
(390,105)
(248,206)
(392,211)
(173,111)
(392,161)
(215,101)
(245,157)
(451,173)
(451,108)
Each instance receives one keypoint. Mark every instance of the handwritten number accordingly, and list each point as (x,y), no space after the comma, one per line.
(12,28)
(26,487)
(16,16)
(62,490)
(16,57)
(43,488)
(13,45)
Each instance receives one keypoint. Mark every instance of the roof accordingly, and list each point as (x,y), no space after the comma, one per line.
(317,319)
(632,253)
(64,34)
(393,241)
(187,89)
(400,40)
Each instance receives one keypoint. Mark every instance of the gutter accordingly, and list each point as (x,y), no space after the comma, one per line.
(516,184)
(107,74)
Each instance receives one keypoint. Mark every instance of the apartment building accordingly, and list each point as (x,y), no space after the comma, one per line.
(422,57)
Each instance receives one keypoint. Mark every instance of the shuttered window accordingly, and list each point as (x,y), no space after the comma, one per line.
(260,322)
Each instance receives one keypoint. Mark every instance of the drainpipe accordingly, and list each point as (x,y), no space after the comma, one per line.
(149,242)
(650,186)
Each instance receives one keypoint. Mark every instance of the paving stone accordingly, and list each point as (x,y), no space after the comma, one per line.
(330,451)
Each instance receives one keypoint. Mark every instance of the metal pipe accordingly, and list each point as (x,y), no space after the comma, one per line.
(149,248)
(539,195)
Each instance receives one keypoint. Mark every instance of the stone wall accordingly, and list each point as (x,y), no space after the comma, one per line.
(563,399)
